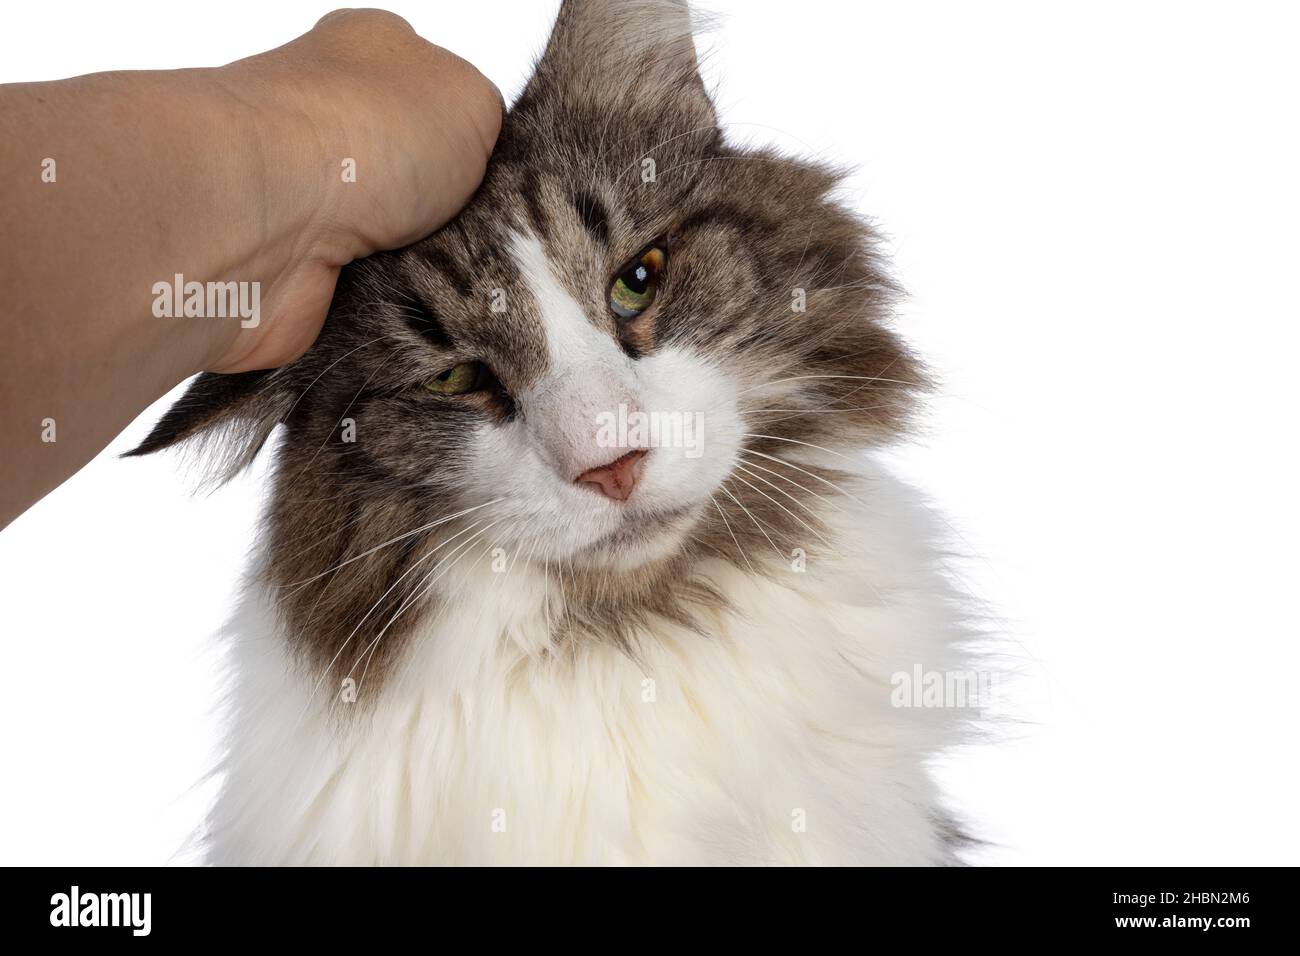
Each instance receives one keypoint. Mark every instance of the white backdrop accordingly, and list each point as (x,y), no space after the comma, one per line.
(1095,208)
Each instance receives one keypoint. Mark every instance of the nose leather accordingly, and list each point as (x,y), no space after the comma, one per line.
(617,479)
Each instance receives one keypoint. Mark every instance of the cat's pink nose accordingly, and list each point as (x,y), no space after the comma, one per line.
(617,479)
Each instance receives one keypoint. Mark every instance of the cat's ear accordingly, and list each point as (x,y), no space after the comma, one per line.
(228,417)
(621,51)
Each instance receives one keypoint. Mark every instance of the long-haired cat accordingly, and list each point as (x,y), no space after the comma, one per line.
(577,551)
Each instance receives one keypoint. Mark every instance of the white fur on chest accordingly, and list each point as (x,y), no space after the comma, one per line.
(771,740)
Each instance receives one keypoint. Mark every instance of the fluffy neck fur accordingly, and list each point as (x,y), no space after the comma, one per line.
(770,741)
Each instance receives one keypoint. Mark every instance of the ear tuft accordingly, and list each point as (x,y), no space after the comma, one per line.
(612,49)
(623,31)
(229,416)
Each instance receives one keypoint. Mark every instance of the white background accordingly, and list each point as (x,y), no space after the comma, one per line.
(1095,208)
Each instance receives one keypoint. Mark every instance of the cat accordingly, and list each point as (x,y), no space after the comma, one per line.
(494,617)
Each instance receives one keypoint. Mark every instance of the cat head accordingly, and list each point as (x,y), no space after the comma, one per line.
(626,354)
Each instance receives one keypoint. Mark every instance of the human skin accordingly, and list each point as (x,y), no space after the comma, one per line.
(233,173)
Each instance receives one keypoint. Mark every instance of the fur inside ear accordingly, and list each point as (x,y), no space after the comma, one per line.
(229,417)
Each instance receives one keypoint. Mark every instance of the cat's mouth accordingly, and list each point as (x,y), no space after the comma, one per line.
(642,537)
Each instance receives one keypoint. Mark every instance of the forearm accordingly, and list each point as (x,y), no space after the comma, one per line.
(113,183)
(271,172)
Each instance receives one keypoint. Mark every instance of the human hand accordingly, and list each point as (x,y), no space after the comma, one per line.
(229,173)
(414,125)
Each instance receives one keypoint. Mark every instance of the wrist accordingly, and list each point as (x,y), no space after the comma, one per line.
(285,207)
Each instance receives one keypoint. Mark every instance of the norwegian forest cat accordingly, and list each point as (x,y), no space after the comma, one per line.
(577,551)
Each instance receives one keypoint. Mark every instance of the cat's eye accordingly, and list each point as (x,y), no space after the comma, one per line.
(459,379)
(633,289)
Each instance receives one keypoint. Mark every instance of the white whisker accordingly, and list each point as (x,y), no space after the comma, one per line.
(391,541)
(758,524)
(796,378)
(782,461)
(334,660)
(760,491)
(732,533)
(795,441)
(412,599)
(780,491)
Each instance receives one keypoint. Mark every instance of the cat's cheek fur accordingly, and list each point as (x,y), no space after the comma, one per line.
(774,740)
(696,393)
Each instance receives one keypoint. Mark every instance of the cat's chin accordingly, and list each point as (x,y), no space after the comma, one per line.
(640,541)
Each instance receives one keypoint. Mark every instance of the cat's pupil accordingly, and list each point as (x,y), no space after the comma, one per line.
(445,376)
(637,278)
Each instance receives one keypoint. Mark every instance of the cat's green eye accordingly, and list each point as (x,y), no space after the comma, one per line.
(457,380)
(633,289)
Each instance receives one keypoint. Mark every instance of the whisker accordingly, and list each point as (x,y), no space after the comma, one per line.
(347,408)
(798,412)
(781,491)
(368,652)
(758,524)
(496,585)
(330,366)
(546,595)
(732,533)
(782,461)
(795,378)
(426,584)
(815,411)
(795,441)
(391,541)
(334,660)
(810,528)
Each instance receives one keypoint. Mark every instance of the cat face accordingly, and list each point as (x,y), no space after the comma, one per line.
(538,360)
(617,359)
